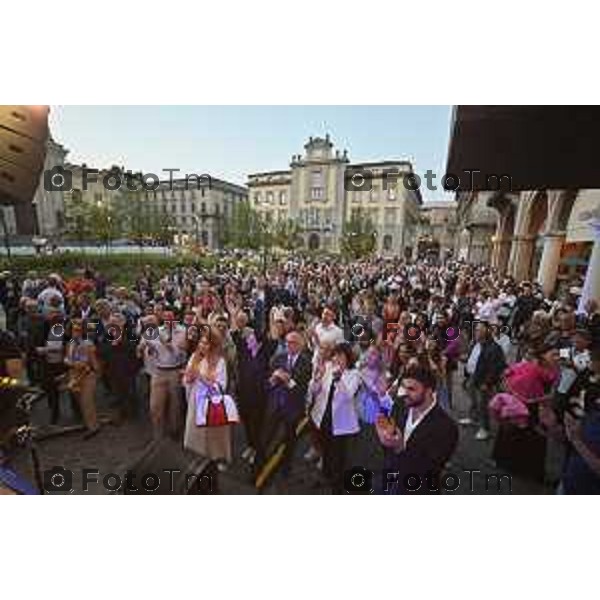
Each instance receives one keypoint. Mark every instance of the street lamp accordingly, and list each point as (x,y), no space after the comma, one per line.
(108,233)
(107,220)
(36,229)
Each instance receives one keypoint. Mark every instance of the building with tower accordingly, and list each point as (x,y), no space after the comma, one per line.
(320,192)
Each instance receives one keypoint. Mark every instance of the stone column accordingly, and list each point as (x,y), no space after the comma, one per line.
(591,287)
(548,270)
(25,217)
(503,254)
(520,259)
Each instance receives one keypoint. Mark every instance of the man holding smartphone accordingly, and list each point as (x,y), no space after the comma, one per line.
(419,439)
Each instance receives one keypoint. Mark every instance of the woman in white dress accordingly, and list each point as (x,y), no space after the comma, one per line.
(206,376)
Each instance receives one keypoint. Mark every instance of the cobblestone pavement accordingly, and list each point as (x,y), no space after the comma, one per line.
(116,446)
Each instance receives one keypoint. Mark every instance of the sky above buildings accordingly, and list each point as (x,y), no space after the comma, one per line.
(232,141)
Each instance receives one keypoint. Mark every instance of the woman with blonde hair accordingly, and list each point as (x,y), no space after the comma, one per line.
(211,412)
(81,360)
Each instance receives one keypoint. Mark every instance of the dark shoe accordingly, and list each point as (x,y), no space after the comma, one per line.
(90,433)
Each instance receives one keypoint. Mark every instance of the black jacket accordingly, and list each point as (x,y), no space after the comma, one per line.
(429,448)
(490,366)
(524,309)
(300,374)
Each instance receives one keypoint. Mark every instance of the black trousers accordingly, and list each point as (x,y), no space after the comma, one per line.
(252,411)
(277,426)
(124,392)
(335,459)
(50,385)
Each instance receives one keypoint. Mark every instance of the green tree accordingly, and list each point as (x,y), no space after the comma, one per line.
(245,228)
(359,236)
(288,235)
(106,222)
(79,216)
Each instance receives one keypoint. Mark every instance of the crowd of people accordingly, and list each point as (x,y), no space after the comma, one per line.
(372,349)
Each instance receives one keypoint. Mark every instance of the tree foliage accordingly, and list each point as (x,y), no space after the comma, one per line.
(124,215)
(359,235)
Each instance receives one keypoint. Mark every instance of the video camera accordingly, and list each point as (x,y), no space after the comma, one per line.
(16,403)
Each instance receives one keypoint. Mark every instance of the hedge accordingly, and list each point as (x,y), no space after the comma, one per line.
(119,269)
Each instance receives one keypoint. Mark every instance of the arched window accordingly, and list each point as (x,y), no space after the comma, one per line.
(314,242)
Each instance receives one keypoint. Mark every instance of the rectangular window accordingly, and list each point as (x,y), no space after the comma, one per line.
(316,193)
(282,198)
(316,178)
(269,197)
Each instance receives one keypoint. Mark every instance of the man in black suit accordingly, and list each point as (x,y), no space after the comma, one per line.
(418,440)
(288,386)
(290,376)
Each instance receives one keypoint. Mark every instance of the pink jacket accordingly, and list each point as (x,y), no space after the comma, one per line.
(530,380)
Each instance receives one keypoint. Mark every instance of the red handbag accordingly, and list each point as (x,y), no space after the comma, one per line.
(216,415)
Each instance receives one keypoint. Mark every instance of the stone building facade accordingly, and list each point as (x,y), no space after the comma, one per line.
(549,236)
(48,206)
(194,206)
(319,193)
(439,224)
(475,227)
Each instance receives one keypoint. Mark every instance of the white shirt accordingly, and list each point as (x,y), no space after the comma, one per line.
(331,334)
(412,423)
(473,358)
(504,342)
(488,311)
(163,355)
(344,404)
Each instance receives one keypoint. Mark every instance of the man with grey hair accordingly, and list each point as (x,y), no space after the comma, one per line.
(288,386)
